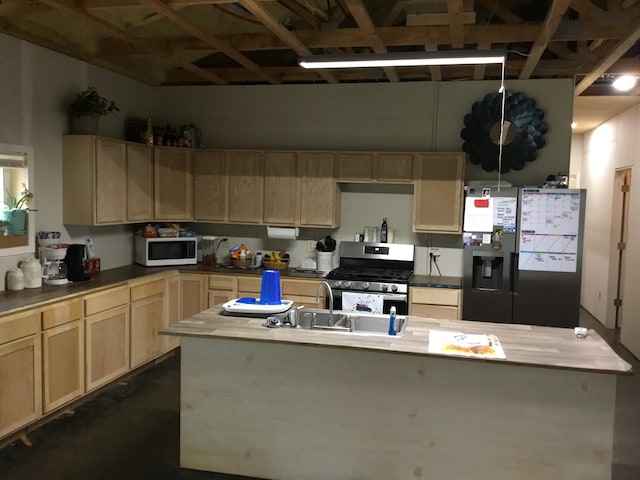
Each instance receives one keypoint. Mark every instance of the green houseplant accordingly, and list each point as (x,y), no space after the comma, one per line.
(85,111)
(14,216)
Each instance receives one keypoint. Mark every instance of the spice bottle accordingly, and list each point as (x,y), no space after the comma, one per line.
(148,136)
(383,231)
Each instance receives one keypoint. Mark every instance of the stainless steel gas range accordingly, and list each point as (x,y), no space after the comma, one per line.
(376,268)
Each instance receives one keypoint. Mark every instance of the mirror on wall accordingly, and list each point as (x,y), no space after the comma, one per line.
(16,220)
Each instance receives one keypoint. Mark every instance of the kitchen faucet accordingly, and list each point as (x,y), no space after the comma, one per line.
(330,293)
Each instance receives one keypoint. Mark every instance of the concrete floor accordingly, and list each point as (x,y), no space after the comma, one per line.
(132,431)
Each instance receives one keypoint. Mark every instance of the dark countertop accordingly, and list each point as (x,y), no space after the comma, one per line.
(435,281)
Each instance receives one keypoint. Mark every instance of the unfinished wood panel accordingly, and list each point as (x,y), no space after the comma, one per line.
(111,181)
(434,311)
(78,177)
(438,193)
(355,167)
(306,288)
(246,186)
(319,194)
(249,285)
(139,183)
(146,289)
(146,320)
(107,346)
(193,298)
(173,184)
(61,313)
(173,310)
(18,325)
(435,296)
(281,188)
(222,282)
(394,167)
(63,364)
(106,299)
(20,383)
(210,185)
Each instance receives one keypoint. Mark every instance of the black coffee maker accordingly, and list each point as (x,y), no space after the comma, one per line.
(74,259)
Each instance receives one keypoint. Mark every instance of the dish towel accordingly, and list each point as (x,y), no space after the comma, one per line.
(362,302)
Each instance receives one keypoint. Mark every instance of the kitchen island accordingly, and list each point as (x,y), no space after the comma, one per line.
(298,404)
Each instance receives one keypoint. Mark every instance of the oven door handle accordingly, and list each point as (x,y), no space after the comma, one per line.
(402,297)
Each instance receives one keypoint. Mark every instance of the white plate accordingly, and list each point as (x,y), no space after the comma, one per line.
(236,307)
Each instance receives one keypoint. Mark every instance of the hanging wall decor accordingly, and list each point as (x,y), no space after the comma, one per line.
(523,132)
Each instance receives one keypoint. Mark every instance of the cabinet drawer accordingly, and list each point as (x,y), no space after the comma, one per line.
(435,296)
(61,313)
(99,302)
(435,311)
(306,288)
(19,325)
(250,285)
(221,282)
(148,289)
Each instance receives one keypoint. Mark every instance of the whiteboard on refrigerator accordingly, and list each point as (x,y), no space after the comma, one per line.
(549,229)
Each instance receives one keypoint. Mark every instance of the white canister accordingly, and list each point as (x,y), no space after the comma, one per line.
(32,271)
(15,279)
(325,261)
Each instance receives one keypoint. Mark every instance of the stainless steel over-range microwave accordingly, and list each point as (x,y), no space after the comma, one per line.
(166,251)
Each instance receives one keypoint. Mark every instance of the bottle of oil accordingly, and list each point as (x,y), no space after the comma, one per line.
(383,231)
(148,136)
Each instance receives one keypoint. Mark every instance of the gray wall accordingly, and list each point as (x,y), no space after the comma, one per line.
(37,83)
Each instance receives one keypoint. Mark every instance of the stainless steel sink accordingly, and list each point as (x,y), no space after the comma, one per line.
(350,322)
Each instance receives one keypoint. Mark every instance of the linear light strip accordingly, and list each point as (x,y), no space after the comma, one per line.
(404,59)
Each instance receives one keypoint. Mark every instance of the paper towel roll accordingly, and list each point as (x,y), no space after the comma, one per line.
(288,233)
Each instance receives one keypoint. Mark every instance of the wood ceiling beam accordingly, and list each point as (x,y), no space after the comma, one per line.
(362,18)
(435,70)
(311,16)
(612,57)
(163,9)
(289,39)
(115,31)
(551,23)
(455,10)
(394,13)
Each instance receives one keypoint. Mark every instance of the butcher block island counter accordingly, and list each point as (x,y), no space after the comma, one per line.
(298,404)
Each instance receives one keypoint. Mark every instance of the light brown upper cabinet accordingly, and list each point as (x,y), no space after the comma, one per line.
(438,192)
(355,167)
(319,194)
(139,183)
(94,172)
(376,167)
(394,167)
(281,188)
(210,185)
(246,186)
(173,184)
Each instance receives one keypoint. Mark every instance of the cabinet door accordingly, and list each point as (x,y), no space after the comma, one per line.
(63,364)
(319,200)
(147,318)
(172,186)
(107,346)
(394,167)
(222,288)
(438,193)
(281,188)
(430,302)
(20,383)
(111,181)
(173,309)
(355,167)
(302,292)
(210,188)
(192,295)
(245,186)
(139,183)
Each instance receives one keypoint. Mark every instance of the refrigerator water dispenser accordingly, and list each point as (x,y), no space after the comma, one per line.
(487,271)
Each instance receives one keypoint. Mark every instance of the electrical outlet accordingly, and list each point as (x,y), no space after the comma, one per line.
(434,252)
(311,245)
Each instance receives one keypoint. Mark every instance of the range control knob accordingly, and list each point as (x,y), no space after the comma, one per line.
(347,284)
(394,288)
(337,283)
(384,287)
(365,286)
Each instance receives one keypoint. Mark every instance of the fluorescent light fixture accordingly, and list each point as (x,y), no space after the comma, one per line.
(624,83)
(404,59)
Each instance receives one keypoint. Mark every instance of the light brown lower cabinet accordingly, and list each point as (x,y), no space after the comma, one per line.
(300,291)
(192,294)
(107,336)
(222,288)
(147,318)
(173,310)
(432,302)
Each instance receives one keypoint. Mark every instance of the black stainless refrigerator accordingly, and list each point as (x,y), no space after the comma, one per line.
(523,255)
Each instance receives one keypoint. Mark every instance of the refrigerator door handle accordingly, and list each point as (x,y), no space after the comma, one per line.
(513,275)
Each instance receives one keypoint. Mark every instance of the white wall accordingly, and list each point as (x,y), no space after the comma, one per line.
(609,147)
(407,116)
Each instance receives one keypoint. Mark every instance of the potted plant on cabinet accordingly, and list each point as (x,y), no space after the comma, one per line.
(14,216)
(86,109)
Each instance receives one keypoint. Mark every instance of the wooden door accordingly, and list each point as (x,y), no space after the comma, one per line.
(111,181)
(192,295)
(63,364)
(173,193)
(139,183)
(210,185)
(319,200)
(394,167)
(355,167)
(147,319)
(438,193)
(222,288)
(281,188)
(246,186)
(173,309)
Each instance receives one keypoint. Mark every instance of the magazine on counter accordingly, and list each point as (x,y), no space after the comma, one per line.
(465,344)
